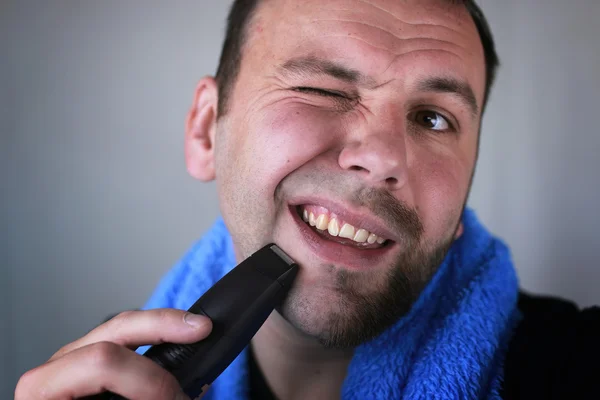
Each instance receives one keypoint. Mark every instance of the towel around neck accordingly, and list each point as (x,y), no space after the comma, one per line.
(451,345)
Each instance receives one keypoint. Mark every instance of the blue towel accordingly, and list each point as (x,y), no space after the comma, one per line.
(450,346)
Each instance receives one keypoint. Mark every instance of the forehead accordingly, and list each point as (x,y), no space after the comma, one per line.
(384,39)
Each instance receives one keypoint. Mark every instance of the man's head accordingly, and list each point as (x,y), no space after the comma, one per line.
(360,116)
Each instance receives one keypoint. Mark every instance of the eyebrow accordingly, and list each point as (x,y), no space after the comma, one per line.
(304,66)
(458,88)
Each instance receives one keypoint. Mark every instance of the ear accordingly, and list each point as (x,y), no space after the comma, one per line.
(459,231)
(200,129)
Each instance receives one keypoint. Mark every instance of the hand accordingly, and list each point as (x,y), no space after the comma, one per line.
(105,360)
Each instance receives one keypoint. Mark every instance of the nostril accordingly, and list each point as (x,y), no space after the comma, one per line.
(356,168)
(391,181)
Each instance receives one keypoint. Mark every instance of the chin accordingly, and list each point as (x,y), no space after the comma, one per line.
(332,318)
(343,308)
(309,311)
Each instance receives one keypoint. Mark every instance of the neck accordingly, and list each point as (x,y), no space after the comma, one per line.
(296,366)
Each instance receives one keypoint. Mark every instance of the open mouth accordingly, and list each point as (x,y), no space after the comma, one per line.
(330,226)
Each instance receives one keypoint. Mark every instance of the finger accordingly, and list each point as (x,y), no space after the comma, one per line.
(204,390)
(137,328)
(97,368)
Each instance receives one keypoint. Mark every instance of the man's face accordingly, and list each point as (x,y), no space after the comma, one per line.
(365,114)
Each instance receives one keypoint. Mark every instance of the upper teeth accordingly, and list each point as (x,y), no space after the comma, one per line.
(323,221)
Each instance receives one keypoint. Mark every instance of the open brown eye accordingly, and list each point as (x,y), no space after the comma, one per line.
(432,120)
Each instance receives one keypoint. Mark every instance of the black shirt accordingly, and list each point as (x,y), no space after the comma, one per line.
(259,389)
(555,351)
(554,354)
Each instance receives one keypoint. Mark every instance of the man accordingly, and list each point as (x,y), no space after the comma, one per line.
(346,131)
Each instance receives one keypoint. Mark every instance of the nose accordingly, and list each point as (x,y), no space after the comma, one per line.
(380,158)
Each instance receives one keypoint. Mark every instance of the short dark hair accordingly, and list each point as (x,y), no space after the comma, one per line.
(242,12)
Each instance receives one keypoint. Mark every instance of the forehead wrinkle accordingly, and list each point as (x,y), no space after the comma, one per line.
(459,33)
(448,42)
(393,53)
(361,40)
(392,43)
(380,8)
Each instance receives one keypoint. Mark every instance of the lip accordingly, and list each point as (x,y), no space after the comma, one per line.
(357,219)
(336,253)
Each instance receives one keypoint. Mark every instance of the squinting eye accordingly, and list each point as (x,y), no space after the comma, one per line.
(318,91)
(432,120)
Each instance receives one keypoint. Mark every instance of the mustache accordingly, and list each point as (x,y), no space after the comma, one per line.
(396,214)
(387,207)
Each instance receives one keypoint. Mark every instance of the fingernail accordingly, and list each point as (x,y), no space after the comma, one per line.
(197,321)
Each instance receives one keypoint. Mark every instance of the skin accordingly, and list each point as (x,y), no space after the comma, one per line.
(373,153)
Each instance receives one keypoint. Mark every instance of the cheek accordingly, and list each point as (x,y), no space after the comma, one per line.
(441,187)
(286,137)
(258,151)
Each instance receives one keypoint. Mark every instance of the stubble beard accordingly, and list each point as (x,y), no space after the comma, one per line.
(357,316)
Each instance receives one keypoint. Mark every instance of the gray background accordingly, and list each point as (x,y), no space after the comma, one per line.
(96,203)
